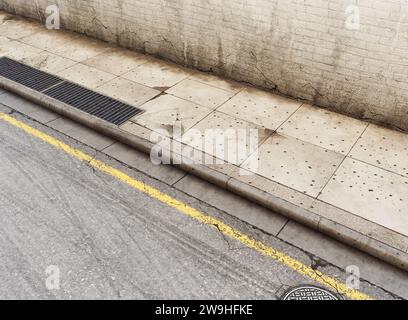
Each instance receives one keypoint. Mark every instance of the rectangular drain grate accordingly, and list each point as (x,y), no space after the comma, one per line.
(86,100)
(93,103)
(26,75)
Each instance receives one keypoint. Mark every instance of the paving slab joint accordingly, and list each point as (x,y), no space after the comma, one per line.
(290,210)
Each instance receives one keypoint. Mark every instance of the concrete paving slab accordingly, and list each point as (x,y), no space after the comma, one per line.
(370,192)
(262,108)
(6,45)
(294,163)
(324,128)
(117,61)
(384,148)
(17,50)
(166,111)
(81,49)
(217,82)
(14,28)
(141,161)
(128,91)
(86,76)
(322,209)
(200,93)
(371,269)
(28,108)
(48,62)
(363,226)
(157,74)
(81,133)
(265,184)
(222,122)
(49,39)
(232,204)
(137,130)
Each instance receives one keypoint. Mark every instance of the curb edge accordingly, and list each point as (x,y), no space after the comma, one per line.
(303,216)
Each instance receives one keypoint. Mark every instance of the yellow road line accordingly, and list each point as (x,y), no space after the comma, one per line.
(262,248)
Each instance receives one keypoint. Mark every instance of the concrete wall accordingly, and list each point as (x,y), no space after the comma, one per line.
(302,48)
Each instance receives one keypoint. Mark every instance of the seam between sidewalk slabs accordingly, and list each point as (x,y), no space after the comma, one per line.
(324,225)
(313,257)
(279,256)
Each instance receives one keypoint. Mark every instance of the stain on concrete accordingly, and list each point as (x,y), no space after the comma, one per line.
(268,44)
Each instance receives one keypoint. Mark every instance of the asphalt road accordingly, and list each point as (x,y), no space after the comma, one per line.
(68,231)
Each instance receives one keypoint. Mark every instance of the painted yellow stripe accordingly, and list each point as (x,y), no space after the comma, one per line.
(263,249)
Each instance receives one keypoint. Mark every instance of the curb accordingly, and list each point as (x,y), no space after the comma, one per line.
(303,216)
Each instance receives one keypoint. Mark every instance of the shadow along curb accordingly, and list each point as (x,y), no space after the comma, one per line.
(306,217)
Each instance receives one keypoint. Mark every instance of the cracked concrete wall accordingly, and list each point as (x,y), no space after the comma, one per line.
(299,47)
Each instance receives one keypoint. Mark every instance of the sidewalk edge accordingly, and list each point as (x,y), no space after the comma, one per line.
(306,217)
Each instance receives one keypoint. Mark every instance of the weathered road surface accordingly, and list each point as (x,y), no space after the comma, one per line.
(111,241)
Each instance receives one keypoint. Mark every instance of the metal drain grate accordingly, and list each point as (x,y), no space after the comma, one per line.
(93,103)
(26,75)
(86,100)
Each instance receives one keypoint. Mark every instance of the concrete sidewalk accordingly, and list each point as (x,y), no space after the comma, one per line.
(342,176)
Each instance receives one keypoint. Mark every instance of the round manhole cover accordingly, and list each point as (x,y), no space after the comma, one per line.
(308,293)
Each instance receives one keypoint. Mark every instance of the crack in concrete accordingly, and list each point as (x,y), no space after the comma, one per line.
(95,19)
(310,85)
(231,248)
(268,81)
(39,13)
(89,162)
(176,51)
